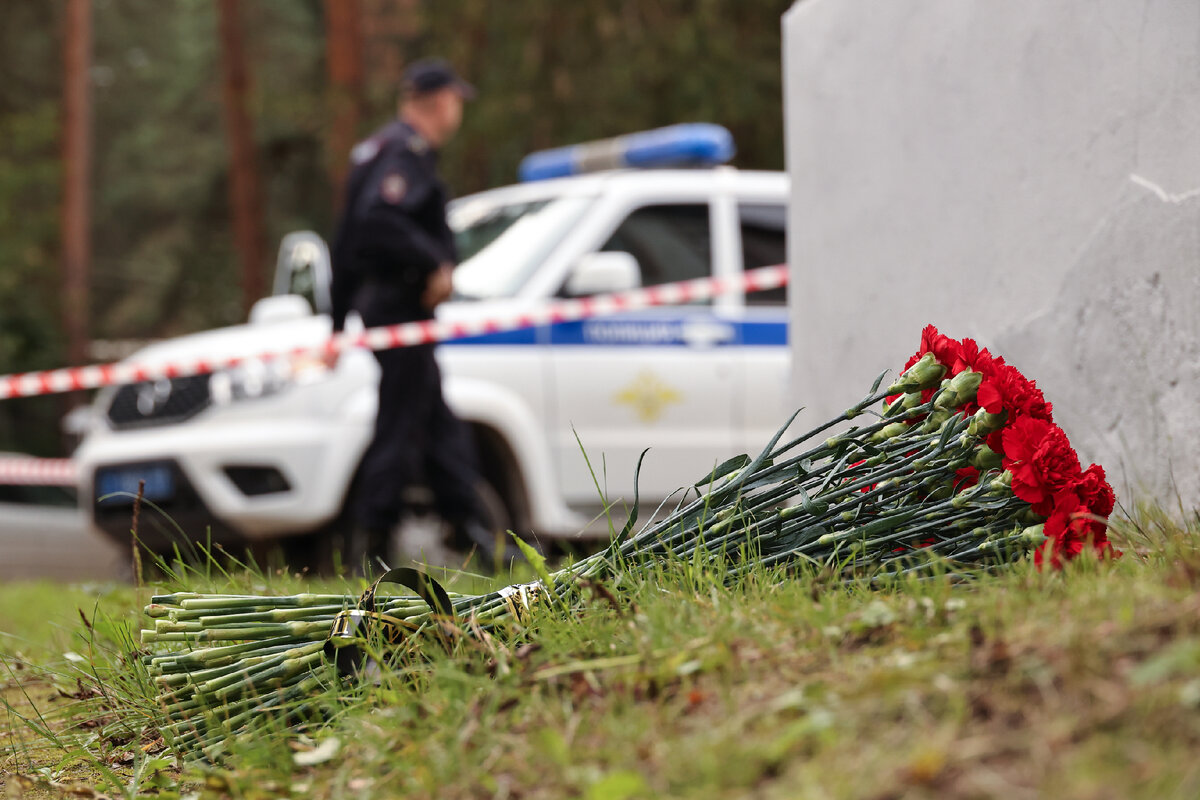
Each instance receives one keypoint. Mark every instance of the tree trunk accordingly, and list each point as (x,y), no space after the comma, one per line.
(344,58)
(77,169)
(245,193)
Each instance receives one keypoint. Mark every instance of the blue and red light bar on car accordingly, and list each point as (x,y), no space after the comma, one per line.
(692,144)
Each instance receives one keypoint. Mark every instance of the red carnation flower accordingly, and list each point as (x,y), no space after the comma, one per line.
(869,487)
(1071,526)
(1095,492)
(1056,552)
(1006,389)
(1041,460)
(995,440)
(973,357)
(944,349)
(965,478)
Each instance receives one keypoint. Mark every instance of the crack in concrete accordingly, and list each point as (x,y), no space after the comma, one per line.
(1163,194)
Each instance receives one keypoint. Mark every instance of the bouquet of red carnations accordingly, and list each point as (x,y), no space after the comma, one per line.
(1018,436)
(961,465)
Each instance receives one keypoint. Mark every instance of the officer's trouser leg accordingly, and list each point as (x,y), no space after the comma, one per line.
(451,465)
(408,387)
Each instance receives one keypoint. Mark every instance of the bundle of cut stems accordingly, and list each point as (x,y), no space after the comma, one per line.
(912,488)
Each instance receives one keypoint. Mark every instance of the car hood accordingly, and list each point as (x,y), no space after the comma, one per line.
(237,341)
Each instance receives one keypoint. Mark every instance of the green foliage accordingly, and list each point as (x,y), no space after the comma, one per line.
(552,73)
(164,258)
(29,192)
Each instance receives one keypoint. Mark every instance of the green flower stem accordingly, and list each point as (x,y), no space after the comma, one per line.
(266,675)
(176,679)
(796,524)
(215,656)
(222,721)
(215,743)
(299,630)
(202,711)
(638,543)
(273,615)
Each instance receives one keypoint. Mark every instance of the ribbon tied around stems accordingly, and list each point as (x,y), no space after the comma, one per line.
(355,631)
(520,597)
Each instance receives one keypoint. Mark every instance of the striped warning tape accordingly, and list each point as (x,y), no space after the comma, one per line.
(26,471)
(406,334)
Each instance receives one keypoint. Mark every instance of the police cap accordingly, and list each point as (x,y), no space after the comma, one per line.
(431,74)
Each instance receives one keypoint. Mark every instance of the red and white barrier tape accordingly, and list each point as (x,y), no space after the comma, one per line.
(26,471)
(407,334)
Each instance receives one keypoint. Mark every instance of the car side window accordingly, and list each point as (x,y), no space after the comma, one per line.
(670,242)
(764,244)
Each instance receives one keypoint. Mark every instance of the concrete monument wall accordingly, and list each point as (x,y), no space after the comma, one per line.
(1026,173)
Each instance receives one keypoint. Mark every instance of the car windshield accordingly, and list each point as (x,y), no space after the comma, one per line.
(501,246)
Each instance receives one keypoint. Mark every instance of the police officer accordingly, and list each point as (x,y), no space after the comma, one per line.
(393,255)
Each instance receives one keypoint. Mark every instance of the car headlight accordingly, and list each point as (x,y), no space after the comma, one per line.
(256,378)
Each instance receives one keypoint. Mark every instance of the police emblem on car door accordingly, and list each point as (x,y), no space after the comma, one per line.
(659,378)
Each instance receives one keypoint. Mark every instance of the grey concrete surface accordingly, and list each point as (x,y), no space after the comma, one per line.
(57,543)
(1026,173)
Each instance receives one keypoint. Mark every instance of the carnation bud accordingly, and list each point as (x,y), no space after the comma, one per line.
(889,432)
(924,374)
(1033,534)
(1031,517)
(960,390)
(1002,484)
(984,423)
(934,421)
(986,458)
(720,526)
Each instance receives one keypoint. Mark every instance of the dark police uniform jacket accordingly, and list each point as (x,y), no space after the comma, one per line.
(393,231)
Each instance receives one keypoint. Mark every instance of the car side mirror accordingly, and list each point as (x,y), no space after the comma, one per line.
(303,267)
(603,273)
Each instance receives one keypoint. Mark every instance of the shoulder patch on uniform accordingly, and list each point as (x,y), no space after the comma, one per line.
(417,144)
(364,151)
(392,188)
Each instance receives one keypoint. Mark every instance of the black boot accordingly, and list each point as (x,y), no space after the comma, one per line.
(364,548)
(495,548)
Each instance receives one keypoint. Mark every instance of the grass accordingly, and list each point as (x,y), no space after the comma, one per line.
(1081,684)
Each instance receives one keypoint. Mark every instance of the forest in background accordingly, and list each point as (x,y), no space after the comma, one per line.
(164,258)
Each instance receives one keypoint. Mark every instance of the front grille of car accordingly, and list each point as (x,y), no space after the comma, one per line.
(159,402)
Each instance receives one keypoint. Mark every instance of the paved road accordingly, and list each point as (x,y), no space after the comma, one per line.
(55,542)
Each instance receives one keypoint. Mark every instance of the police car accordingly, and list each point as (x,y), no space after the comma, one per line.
(560,412)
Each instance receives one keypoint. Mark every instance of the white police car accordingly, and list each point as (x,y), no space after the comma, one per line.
(252,454)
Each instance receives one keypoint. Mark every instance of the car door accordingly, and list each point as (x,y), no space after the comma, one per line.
(657,378)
